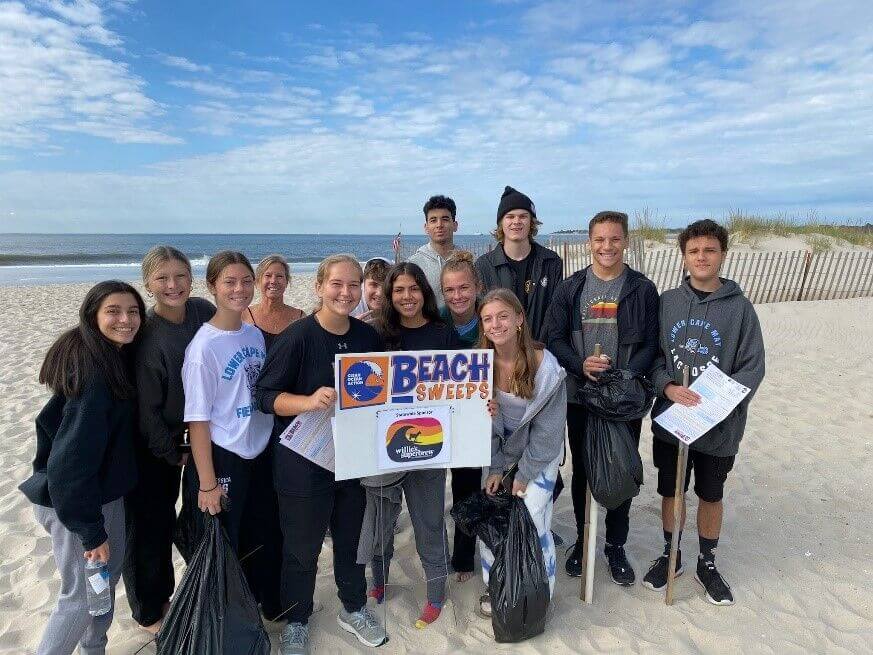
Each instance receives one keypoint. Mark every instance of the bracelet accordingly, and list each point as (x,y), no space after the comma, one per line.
(206,491)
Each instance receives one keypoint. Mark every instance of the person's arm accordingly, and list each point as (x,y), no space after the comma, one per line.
(546,437)
(76,459)
(559,329)
(748,368)
(643,359)
(151,382)
(201,387)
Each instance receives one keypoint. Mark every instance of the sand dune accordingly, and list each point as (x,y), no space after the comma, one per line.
(797,545)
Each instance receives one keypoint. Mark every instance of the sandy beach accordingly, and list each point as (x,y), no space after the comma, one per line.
(797,543)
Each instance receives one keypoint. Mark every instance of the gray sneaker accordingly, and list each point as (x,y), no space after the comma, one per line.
(364,625)
(294,639)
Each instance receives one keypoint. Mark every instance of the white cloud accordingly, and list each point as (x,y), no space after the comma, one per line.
(206,88)
(182,63)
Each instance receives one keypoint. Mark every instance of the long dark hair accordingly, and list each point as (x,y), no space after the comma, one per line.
(389,318)
(82,351)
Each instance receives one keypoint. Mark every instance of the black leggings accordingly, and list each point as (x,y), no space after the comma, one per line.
(617,520)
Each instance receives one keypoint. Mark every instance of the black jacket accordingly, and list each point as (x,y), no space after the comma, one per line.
(84,458)
(637,326)
(547,271)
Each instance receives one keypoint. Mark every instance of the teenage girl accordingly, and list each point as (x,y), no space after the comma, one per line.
(298,377)
(150,509)
(461,290)
(409,320)
(85,460)
(529,412)
(232,472)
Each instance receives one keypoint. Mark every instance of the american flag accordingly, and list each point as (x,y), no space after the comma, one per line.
(395,244)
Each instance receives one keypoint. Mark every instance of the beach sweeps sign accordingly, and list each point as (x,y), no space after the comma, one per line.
(407,410)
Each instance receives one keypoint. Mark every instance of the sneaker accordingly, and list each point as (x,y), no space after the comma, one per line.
(294,639)
(718,591)
(656,578)
(574,560)
(485,605)
(364,625)
(619,568)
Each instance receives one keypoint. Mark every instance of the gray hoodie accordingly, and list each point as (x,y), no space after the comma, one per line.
(720,330)
(431,262)
(539,438)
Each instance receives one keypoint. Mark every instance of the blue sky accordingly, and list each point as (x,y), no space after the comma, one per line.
(125,116)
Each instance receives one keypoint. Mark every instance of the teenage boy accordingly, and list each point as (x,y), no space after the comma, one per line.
(440,224)
(611,304)
(375,272)
(519,263)
(707,321)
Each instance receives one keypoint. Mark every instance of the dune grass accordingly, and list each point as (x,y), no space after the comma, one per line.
(751,229)
(646,225)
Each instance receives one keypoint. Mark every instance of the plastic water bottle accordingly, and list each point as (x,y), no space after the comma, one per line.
(97,578)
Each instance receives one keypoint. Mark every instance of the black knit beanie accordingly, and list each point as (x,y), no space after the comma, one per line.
(512,199)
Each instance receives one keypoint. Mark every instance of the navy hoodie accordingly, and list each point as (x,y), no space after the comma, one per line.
(720,330)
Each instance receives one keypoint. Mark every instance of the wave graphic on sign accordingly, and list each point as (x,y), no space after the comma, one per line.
(415,439)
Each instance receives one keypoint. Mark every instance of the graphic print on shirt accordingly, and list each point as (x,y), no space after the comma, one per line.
(695,343)
(250,360)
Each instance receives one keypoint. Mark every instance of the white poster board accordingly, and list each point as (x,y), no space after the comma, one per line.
(408,410)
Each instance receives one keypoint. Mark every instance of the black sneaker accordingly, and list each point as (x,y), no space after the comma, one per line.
(619,568)
(718,592)
(574,560)
(656,578)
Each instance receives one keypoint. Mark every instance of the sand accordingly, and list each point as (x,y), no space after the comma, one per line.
(796,545)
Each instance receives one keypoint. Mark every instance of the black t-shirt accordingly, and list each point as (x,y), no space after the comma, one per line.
(703,295)
(521,272)
(300,362)
(430,336)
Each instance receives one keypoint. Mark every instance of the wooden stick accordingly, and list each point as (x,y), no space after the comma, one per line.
(589,534)
(678,505)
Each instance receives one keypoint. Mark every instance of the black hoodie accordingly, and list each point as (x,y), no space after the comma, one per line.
(721,330)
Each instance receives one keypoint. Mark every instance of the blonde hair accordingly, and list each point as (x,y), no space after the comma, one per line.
(268,261)
(461,260)
(160,255)
(525,370)
(340,258)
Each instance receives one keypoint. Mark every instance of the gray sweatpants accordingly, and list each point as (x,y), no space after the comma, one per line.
(425,493)
(70,623)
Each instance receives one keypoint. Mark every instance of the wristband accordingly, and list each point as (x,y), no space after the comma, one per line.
(206,491)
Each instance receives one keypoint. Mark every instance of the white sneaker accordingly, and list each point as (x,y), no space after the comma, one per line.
(364,625)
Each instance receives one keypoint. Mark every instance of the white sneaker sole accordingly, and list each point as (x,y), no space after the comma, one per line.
(649,585)
(710,598)
(348,628)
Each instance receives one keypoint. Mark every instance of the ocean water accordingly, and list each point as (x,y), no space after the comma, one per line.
(66,258)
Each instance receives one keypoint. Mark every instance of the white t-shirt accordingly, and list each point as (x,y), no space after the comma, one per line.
(219,375)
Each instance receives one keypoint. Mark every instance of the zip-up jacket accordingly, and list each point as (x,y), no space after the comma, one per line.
(547,271)
(720,330)
(637,321)
(539,438)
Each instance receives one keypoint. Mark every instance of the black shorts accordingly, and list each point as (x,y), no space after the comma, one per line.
(710,471)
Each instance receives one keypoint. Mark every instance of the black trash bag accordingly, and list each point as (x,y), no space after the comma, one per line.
(484,516)
(213,611)
(518,583)
(611,455)
(189,529)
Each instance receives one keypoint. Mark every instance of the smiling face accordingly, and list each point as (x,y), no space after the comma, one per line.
(170,283)
(516,225)
(500,322)
(440,226)
(373,295)
(340,292)
(703,258)
(118,318)
(273,281)
(608,242)
(407,298)
(459,291)
(234,288)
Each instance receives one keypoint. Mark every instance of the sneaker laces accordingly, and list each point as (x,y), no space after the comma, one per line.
(295,632)
(710,566)
(370,621)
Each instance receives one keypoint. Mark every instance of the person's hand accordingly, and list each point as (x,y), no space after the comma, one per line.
(519,488)
(99,554)
(323,398)
(492,408)
(594,366)
(681,395)
(210,501)
(492,483)
(368,316)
